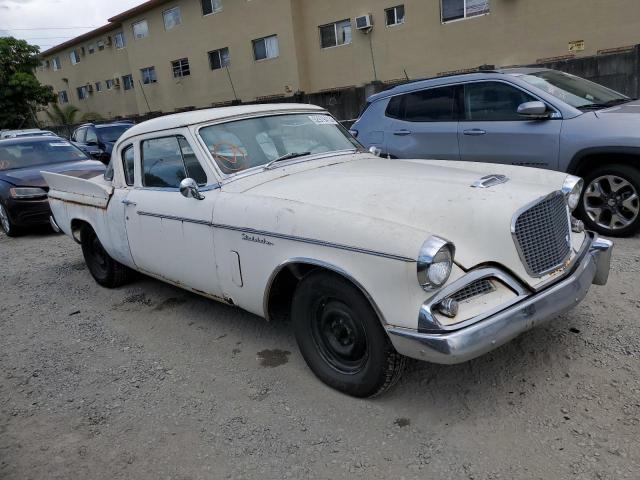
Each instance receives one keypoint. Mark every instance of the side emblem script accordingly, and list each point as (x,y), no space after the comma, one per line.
(256,239)
(490,181)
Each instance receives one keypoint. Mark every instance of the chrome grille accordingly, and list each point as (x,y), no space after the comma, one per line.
(542,235)
(474,289)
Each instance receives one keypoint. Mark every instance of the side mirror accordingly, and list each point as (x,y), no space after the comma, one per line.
(377,151)
(189,189)
(92,143)
(533,109)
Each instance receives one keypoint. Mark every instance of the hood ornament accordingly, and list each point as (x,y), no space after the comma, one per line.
(490,180)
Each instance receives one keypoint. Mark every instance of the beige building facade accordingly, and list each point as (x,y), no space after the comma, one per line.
(171,55)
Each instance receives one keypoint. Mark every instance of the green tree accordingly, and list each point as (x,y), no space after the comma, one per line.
(21,94)
(68,116)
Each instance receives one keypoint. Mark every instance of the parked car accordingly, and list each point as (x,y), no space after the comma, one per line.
(97,140)
(35,132)
(523,116)
(278,210)
(23,190)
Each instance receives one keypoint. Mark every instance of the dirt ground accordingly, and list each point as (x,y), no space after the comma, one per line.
(149,381)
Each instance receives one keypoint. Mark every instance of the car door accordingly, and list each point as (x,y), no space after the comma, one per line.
(171,236)
(423,124)
(491,130)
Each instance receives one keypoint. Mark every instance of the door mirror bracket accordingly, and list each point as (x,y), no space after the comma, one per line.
(189,189)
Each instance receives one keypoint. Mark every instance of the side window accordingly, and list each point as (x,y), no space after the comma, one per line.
(91,136)
(165,162)
(108,173)
(127,164)
(393,107)
(80,135)
(432,105)
(493,101)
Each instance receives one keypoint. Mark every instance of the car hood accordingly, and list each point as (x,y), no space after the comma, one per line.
(417,198)
(31,177)
(629,108)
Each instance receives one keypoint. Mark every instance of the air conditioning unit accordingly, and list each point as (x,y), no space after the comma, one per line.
(89,88)
(116,82)
(364,22)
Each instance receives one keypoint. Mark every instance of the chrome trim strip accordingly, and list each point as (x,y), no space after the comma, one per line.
(318,263)
(427,322)
(281,236)
(514,220)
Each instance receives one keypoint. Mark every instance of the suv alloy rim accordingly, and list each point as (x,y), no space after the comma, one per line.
(4,219)
(611,202)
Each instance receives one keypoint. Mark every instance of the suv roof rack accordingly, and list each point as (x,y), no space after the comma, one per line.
(480,69)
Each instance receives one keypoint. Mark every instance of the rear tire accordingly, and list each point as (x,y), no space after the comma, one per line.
(610,203)
(340,336)
(105,270)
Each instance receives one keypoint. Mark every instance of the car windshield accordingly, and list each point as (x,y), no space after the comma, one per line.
(112,133)
(575,91)
(26,154)
(242,144)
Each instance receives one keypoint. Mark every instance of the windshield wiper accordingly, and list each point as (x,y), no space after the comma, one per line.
(286,156)
(609,104)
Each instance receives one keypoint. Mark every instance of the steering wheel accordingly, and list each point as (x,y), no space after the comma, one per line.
(232,164)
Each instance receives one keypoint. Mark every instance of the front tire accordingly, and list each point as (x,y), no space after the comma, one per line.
(8,227)
(105,270)
(340,336)
(610,203)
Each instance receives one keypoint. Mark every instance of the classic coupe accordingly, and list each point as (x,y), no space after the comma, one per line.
(278,210)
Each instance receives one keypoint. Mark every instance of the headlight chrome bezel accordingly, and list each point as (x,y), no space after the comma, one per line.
(572,190)
(431,252)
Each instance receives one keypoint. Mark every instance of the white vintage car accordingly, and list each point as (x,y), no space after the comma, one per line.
(278,210)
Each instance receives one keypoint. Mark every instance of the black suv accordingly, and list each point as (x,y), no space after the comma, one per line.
(97,140)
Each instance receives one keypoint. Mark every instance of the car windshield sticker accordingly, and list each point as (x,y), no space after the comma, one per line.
(322,120)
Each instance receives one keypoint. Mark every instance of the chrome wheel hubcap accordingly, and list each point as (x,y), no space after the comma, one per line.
(4,220)
(611,202)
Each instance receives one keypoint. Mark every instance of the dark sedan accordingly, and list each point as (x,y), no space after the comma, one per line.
(23,190)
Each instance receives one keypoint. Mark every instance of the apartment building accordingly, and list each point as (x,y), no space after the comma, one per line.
(170,55)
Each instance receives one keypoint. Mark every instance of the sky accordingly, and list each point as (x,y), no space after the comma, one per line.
(50,22)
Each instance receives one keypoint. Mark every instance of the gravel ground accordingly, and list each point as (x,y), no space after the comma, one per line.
(149,381)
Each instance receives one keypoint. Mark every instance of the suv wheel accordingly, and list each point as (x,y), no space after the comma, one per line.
(611,203)
(6,224)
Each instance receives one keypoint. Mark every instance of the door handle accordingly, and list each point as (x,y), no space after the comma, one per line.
(129,203)
(402,133)
(475,132)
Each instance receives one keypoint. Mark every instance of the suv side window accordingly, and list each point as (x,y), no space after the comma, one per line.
(431,105)
(128,164)
(80,134)
(493,101)
(166,160)
(91,136)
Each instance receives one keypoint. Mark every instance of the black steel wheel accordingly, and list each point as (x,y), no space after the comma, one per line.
(340,336)
(104,269)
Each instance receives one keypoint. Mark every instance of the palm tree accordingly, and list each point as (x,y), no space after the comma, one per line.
(68,116)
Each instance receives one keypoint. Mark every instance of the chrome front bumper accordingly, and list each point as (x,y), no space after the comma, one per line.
(477,339)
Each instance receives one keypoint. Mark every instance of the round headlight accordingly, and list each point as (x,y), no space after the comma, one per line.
(435,262)
(572,189)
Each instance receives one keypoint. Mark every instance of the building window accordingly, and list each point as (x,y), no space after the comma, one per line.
(266,47)
(127,82)
(75,57)
(83,92)
(100,45)
(172,18)
(149,75)
(211,6)
(56,64)
(219,59)
(63,97)
(140,30)
(459,9)
(98,86)
(181,68)
(119,40)
(109,84)
(395,15)
(334,34)
(92,49)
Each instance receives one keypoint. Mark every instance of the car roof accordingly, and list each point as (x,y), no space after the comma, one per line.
(455,78)
(194,117)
